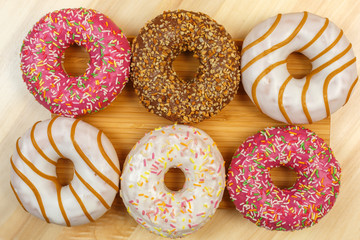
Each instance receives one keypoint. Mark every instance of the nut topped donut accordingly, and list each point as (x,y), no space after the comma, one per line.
(272,88)
(159,88)
(107,71)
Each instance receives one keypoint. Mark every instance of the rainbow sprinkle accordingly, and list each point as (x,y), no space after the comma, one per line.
(259,200)
(107,72)
(155,207)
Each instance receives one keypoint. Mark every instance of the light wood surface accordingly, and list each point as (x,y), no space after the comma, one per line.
(19,111)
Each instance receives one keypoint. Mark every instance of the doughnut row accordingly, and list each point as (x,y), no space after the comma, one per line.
(265,77)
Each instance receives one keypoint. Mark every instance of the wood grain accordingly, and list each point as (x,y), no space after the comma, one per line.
(125,121)
(19,111)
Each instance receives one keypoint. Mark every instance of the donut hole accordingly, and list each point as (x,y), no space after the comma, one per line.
(174,179)
(64,171)
(298,65)
(186,66)
(283,177)
(75,60)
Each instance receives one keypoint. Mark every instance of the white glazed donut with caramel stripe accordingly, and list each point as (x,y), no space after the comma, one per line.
(271,87)
(33,171)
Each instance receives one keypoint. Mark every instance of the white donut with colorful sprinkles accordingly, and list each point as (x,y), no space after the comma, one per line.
(148,200)
(302,205)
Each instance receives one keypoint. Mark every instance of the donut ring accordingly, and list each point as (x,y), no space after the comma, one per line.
(148,200)
(160,90)
(270,86)
(260,201)
(107,72)
(33,173)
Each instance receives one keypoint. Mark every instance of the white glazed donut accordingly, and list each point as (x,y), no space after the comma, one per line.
(148,200)
(33,174)
(270,86)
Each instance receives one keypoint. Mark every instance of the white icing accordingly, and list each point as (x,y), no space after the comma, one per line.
(86,137)
(268,88)
(151,203)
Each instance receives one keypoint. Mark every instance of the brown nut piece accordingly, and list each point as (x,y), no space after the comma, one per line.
(160,90)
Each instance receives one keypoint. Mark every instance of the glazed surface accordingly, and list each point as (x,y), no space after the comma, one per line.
(148,200)
(96,172)
(302,205)
(43,50)
(272,88)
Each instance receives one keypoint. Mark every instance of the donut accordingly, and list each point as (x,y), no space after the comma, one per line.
(158,86)
(275,91)
(42,52)
(302,205)
(147,199)
(96,171)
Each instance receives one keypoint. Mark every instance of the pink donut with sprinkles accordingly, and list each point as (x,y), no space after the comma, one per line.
(302,205)
(107,71)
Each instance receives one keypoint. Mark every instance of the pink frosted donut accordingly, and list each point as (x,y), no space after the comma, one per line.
(294,208)
(107,72)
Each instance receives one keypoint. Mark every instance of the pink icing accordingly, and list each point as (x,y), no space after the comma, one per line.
(107,72)
(300,206)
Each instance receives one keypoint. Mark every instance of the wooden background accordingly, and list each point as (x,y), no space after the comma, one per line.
(19,111)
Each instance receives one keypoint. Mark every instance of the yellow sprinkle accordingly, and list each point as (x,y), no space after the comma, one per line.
(192,160)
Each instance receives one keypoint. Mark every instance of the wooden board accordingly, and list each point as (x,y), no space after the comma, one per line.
(125,121)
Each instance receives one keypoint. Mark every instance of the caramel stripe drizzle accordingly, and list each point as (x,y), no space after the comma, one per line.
(103,153)
(17,197)
(280,99)
(329,47)
(327,82)
(33,188)
(92,190)
(51,139)
(316,36)
(61,206)
(59,187)
(32,166)
(351,89)
(48,177)
(86,159)
(283,86)
(263,37)
(81,203)
(308,78)
(36,146)
(257,80)
(277,46)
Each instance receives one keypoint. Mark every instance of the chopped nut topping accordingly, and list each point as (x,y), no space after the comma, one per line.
(160,90)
